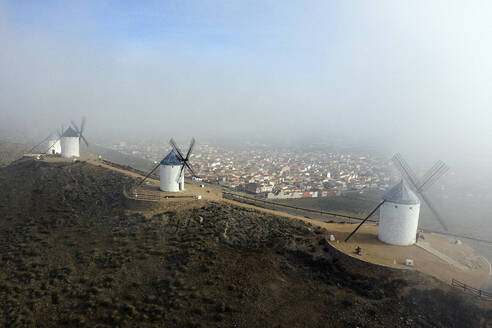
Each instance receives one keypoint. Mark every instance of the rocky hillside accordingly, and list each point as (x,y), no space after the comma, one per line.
(71,255)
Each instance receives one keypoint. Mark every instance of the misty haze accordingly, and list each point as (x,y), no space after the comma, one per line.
(245,163)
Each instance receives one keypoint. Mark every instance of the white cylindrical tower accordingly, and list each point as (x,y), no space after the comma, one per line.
(399,216)
(70,147)
(54,146)
(70,143)
(169,172)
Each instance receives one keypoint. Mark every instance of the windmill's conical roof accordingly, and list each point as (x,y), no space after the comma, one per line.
(401,194)
(172,159)
(70,133)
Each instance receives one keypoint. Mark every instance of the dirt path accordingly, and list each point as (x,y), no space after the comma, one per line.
(426,246)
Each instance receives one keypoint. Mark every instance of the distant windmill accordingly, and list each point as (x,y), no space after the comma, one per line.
(172,168)
(54,145)
(70,140)
(39,144)
(53,142)
(399,215)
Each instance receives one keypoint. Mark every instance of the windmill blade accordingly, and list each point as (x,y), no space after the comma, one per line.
(430,172)
(180,173)
(364,221)
(30,150)
(175,147)
(430,180)
(190,169)
(82,124)
(75,126)
(148,175)
(85,141)
(405,170)
(433,210)
(192,144)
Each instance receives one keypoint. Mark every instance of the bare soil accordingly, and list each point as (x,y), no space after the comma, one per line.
(73,254)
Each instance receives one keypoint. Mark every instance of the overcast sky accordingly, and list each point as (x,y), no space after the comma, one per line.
(409,74)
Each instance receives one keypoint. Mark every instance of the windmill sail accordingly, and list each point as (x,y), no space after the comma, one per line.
(420,186)
(81,130)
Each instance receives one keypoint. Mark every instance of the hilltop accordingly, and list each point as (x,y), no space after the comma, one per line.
(73,253)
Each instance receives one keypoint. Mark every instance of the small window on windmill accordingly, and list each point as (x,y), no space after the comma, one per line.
(396,206)
(411,207)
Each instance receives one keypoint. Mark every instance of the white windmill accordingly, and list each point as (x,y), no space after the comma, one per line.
(400,208)
(54,145)
(171,178)
(172,168)
(52,141)
(399,216)
(70,140)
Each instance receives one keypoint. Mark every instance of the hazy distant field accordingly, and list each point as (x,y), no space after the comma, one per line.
(353,204)
(120,158)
